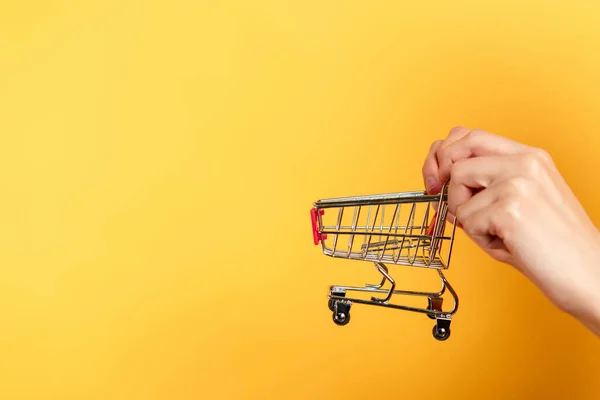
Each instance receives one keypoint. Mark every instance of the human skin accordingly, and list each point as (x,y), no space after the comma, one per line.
(512,201)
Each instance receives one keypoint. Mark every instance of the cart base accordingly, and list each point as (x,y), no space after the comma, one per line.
(340,304)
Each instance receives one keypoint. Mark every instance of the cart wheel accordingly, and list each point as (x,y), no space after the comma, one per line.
(341,318)
(441,334)
(341,313)
(331,305)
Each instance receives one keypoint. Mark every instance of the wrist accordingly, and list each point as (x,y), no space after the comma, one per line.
(587,310)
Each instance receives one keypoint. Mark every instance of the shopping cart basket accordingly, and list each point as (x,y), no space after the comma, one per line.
(406,229)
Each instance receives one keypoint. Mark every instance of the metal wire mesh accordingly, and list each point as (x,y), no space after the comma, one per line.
(400,228)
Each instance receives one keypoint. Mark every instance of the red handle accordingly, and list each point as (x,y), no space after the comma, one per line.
(314,216)
(431,228)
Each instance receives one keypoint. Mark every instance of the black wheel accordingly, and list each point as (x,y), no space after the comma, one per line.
(341,318)
(441,333)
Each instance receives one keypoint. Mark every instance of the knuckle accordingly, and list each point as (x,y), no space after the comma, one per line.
(508,218)
(511,210)
(476,134)
(518,187)
(458,131)
(543,156)
(435,144)
(441,154)
(532,163)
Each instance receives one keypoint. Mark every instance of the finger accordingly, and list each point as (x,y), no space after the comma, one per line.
(472,175)
(455,134)
(431,175)
(452,218)
(430,169)
(476,144)
(477,227)
(479,201)
(481,229)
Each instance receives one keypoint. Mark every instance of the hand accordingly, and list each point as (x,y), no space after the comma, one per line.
(511,200)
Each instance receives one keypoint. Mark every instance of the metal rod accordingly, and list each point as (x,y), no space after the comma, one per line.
(354,222)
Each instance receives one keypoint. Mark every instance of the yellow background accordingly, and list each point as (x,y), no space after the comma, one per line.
(159,160)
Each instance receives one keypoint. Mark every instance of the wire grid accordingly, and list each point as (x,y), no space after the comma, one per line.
(388,233)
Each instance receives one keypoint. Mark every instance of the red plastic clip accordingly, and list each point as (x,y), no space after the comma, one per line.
(314,216)
(431,228)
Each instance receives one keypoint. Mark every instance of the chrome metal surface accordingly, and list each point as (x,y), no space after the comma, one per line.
(396,229)
(400,238)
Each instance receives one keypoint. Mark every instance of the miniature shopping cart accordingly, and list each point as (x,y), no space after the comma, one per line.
(405,229)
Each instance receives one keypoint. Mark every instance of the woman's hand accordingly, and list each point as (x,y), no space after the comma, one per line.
(511,200)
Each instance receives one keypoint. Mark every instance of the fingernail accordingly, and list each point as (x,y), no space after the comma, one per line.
(430,183)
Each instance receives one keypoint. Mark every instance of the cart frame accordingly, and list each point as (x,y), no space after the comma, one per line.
(413,244)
